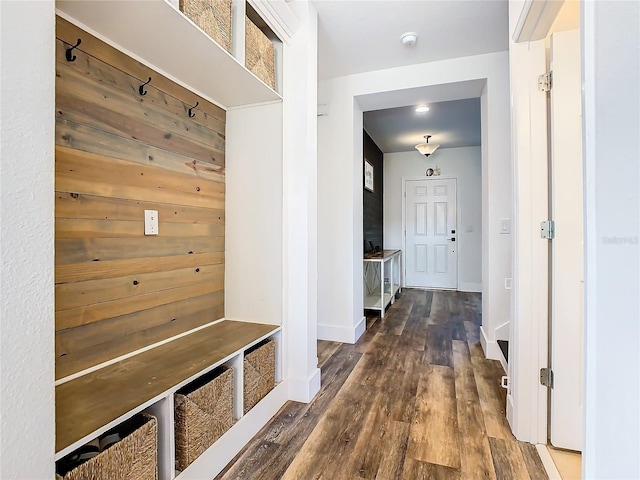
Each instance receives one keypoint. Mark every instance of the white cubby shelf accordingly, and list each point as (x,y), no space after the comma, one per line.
(94,403)
(157,34)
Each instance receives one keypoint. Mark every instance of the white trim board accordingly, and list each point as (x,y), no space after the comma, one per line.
(547,462)
(470,287)
(490,348)
(304,389)
(536,18)
(334,333)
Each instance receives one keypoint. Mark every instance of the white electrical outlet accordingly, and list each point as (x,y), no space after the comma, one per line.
(151,222)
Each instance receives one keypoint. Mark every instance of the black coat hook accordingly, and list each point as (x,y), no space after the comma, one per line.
(191,109)
(69,53)
(141,90)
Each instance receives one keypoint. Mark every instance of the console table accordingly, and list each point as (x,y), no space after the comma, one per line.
(381,274)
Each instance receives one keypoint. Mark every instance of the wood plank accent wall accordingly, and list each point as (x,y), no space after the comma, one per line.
(117,154)
(372,221)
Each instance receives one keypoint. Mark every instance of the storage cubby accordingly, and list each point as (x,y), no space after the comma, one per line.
(203,413)
(263,50)
(213,17)
(126,452)
(209,365)
(189,53)
(162,366)
(259,372)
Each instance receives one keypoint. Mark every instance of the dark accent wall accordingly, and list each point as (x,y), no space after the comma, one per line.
(372,201)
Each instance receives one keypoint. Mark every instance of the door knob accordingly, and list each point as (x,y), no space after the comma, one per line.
(453,239)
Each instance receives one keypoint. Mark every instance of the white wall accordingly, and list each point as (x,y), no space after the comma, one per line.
(340,302)
(464,164)
(271,216)
(611,112)
(27,411)
(300,207)
(26,240)
(340,298)
(253,216)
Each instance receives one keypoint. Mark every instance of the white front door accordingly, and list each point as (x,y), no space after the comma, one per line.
(567,264)
(431,253)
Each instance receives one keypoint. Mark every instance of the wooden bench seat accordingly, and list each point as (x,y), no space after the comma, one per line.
(88,403)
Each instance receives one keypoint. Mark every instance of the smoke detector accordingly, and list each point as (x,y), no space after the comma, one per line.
(409,38)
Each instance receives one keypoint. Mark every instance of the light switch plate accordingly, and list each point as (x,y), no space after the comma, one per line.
(505,225)
(151,222)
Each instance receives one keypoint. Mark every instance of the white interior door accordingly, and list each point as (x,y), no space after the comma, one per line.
(567,264)
(431,253)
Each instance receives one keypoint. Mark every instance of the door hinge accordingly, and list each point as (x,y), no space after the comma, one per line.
(546,377)
(545,82)
(548,229)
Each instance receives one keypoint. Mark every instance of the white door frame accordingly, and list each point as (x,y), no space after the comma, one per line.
(527,409)
(567,259)
(404,224)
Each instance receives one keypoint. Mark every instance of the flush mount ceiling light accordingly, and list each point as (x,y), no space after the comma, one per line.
(427,148)
(422,109)
(409,38)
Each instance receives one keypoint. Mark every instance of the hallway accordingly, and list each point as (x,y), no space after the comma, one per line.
(414,398)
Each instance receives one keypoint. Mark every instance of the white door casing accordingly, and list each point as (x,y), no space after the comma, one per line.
(567,264)
(431,249)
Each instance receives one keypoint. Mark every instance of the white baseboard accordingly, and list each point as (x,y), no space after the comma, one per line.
(303,390)
(490,348)
(334,333)
(503,362)
(510,409)
(470,287)
(548,463)
(483,340)
(360,329)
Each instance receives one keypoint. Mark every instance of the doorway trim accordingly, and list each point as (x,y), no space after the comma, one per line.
(404,228)
(340,291)
(527,400)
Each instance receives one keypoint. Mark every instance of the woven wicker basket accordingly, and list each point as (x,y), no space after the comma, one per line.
(203,412)
(213,17)
(259,54)
(259,372)
(135,457)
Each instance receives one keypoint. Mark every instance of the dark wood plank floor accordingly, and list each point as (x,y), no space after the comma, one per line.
(414,398)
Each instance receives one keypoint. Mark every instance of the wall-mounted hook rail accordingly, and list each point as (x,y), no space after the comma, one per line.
(141,90)
(69,53)
(191,109)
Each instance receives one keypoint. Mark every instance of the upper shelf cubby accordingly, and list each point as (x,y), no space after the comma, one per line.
(157,34)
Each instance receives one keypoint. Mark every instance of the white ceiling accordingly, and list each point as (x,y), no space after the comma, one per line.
(452,124)
(357,36)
